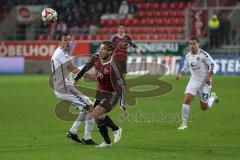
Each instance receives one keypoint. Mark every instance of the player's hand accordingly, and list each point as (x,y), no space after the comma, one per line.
(208,80)
(125,113)
(178,76)
(75,83)
(138,52)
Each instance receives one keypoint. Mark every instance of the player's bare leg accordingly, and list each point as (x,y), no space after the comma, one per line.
(213,98)
(85,115)
(186,110)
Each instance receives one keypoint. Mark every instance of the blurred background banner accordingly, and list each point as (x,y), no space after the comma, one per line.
(29,50)
(228,65)
(157,47)
(11,65)
(38,50)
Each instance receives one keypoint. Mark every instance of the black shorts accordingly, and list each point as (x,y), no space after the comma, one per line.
(106,100)
(123,66)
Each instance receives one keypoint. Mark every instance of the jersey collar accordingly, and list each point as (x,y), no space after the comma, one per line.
(196,53)
(104,63)
(65,52)
(121,36)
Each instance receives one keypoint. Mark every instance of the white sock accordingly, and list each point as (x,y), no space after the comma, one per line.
(88,126)
(185,113)
(211,101)
(81,117)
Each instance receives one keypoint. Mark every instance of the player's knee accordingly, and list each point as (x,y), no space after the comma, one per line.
(187,101)
(96,116)
(204,107)
(90,108)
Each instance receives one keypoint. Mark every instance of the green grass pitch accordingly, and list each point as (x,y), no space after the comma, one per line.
(29,128)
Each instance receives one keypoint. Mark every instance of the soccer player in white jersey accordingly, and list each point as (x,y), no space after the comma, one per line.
(62,69)
(201,67)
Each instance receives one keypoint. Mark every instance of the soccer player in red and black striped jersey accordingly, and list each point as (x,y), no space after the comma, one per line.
(111,87)
(123,41)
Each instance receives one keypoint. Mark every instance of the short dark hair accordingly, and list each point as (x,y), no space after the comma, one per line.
(110,45)
(60,35)
(194,39)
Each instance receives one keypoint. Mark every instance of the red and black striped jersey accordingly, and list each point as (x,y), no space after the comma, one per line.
(109,77)
(122,43)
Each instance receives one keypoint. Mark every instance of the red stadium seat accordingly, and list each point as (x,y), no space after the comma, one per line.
(159,21)
(144,30)
(180,14)
(147,6)
(146,37)
(83,38)
(150,22)
(156,37)
(166,14)
(149,14)
(75,37)
(154,30)
(137,36)
(173,5)
(141,14)
(135,22)
(164,36)
(181,5)
(105,37)
(179,30)
(157,14)
(189,4)
(164,6)
(103,22)
(172,36)
(162,30)
(105,30)
(49,37)
(42,37)
(143,22)
(137,30)
(168,21)
(140,6)
(173,13)
(157,6)
(152,6)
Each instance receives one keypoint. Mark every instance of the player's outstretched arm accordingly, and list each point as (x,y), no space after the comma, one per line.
(72,68)
(86,68)
(89,76)
(119,85)
(180,74)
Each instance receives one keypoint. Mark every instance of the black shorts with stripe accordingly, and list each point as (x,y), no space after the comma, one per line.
(106,100)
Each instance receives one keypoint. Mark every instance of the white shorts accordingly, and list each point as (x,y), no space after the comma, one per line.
(199,89)
(75,97)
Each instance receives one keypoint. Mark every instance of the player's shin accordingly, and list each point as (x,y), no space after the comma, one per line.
(81,117)
(185,113)
(103,130)
(89,126)
(110,123)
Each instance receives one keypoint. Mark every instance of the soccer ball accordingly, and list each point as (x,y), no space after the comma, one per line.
(49,15)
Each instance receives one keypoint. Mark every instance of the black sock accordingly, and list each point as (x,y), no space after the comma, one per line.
(103,130)
(108,121)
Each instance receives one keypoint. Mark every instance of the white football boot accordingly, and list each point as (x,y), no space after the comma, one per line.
(117,135)
(183,126)
(104,145)
(216,98)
